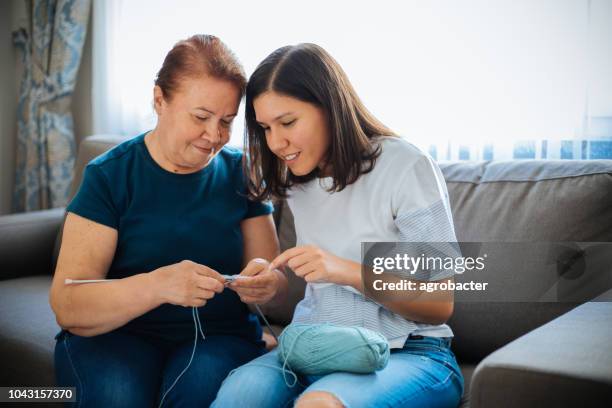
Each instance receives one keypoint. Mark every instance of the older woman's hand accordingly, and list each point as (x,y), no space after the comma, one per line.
(257,283)
(187,283)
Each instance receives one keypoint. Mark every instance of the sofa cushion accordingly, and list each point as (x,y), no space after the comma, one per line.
(90,148)
(565,363)
(27,334)
(467,370)
(531,200)
(26,242)
(522,201)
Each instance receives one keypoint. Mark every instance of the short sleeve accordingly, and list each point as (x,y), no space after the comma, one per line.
(257,208)
(94,200)
(254,208)
(420,204)
(423,216)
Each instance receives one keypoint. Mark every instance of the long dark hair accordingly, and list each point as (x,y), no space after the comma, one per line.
(308,73)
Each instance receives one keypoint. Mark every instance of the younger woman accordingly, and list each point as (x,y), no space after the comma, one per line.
(347,179)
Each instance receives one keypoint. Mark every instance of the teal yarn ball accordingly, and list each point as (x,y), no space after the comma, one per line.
(319,349)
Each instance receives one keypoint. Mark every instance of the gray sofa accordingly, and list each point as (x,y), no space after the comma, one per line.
(513,354)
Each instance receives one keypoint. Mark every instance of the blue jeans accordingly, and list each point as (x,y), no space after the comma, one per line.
(422,374)
(120,369)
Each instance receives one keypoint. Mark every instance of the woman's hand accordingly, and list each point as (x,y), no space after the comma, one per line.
(313,264)
(187,283)
(258,283)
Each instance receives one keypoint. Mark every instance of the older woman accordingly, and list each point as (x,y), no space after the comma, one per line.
(159,220)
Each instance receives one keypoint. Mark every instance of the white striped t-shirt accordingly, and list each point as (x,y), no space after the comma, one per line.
(404,198)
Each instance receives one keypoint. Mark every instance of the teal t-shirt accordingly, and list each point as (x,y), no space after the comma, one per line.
(163,218)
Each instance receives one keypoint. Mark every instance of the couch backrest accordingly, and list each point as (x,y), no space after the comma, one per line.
(90,148)
(531,200)
(523,201)
(513,201)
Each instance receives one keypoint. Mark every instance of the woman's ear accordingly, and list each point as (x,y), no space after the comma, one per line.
(158,99)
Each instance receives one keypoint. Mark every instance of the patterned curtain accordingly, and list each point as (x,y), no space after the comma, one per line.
(51,52)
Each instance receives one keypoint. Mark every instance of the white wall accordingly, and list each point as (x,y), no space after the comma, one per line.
(12,15)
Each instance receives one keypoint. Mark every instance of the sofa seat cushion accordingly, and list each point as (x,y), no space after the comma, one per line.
(28,331)
(467,370)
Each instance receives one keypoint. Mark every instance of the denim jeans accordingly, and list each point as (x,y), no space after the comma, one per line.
(422,374)
(120,369)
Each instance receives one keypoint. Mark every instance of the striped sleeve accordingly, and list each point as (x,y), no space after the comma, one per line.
(424,219)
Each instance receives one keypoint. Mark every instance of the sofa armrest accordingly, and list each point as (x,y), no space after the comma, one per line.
(27,242)
(564,363)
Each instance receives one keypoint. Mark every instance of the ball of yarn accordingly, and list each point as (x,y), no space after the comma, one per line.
(319,349)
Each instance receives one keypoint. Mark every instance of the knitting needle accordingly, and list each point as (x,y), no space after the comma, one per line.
(72,281)
(228,278)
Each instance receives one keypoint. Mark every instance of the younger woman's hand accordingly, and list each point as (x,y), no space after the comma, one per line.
(187,283)
(314,264)
(257,282)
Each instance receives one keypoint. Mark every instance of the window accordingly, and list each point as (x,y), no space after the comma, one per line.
(469,80)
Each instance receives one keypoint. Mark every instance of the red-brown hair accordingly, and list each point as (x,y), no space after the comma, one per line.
(200,54)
